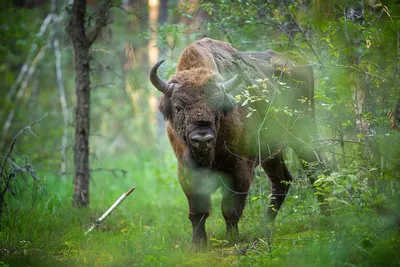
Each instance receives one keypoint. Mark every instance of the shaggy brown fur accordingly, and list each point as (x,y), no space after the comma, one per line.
(194,78)
(217,145)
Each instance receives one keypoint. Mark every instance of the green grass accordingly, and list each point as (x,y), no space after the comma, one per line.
(151,228)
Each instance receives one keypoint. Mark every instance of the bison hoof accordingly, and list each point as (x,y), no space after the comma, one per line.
(199,241)
(197,246)
(232,232)
(232,237)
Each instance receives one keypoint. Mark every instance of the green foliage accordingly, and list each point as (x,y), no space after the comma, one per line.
(151,226)
(17,34)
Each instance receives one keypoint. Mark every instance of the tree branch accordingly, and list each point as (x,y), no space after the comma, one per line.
(114,171)
(27,128)
(75,26)
(303,33)
(101,21)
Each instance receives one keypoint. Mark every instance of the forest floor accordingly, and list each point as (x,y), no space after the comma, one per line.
(151,228)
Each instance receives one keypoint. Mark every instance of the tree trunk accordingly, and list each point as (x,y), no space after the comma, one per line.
(60,82)
(82,43)
(76,29)
(355,14)
(163,12)
(397,116)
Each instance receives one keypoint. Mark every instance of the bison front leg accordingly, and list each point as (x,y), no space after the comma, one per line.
(199,203)
(232,207)
(234,193)
(199,209)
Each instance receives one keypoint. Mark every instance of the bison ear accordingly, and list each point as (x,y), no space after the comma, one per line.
(228,104)
(165,107)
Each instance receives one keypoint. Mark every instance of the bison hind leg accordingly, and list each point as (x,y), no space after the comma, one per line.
(280,178)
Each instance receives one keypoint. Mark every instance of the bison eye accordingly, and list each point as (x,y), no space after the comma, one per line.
(178,108)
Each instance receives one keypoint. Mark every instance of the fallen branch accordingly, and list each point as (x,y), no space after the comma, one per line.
(111,209)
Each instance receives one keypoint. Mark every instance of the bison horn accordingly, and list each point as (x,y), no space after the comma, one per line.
(235,81)
(162,86)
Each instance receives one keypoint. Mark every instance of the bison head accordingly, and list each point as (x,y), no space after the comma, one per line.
(194,101)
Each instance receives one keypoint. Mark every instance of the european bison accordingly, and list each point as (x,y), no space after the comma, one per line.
(219,141)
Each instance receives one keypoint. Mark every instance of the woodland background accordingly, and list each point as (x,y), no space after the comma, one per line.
(354,47)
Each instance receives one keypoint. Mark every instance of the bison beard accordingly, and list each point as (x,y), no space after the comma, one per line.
(201,159)
(199,100)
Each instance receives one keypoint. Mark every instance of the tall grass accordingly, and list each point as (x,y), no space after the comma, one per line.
(151,228)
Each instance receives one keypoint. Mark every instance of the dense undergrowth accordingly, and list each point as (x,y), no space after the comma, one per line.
(151,228)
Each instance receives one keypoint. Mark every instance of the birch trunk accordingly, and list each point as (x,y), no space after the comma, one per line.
(21,92)
(60,85)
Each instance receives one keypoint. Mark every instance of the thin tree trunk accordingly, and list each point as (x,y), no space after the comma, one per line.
(82,42)
(397,108)
(397,116)
(21,92)
(162,19)
(30,57)
(163,12)
(60,85)
(355,13)
(34,96)
(364,104)
(153,23)
(21,82)
(76,29)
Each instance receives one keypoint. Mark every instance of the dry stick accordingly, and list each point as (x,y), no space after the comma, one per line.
(15,140)
(5,178)
(111,209)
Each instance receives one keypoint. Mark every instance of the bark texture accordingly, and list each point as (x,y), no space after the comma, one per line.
(82,42)
(76,30)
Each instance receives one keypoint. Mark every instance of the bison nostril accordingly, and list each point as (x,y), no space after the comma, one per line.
(201,140)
